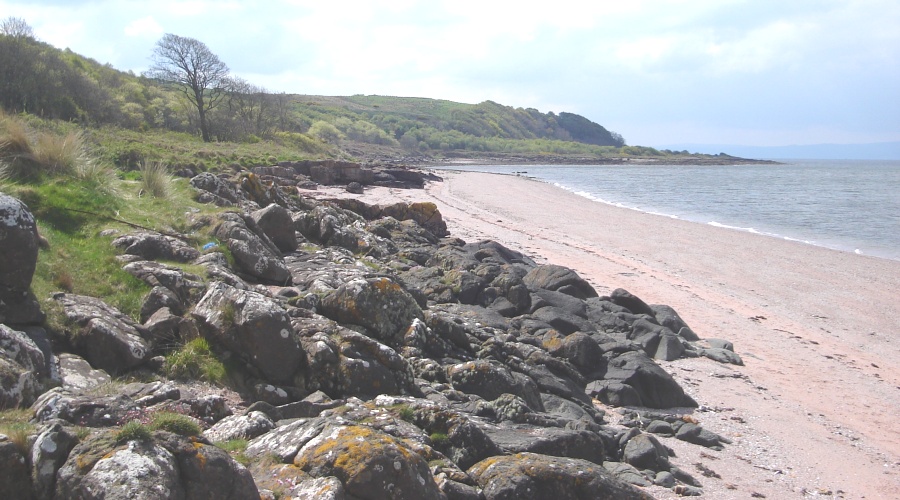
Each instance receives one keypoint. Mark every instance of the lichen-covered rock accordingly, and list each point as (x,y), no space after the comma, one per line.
(533,476)
(254,254)
(138,469)
(22,367)
(426,214)
(154,246)
(108,339)
(77,374)
(19,242)
(15,480)
(187,287)
(216,190)
(490,380)
(48,453)
(252,326)
(379,304)
(166,466)
(369,463)
(249,426)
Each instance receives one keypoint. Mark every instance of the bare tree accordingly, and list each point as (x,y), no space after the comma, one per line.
(189,64)
(16,27)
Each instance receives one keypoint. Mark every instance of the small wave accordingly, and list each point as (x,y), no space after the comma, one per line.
(738,228)
(585,194)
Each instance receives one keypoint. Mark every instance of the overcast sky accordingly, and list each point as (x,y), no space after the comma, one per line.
(659,72)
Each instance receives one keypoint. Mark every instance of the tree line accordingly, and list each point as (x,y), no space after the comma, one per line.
(189,89)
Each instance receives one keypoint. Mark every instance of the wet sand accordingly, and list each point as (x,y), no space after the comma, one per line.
(814,411)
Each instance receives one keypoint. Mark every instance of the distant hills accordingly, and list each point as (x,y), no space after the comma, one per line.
(870,151)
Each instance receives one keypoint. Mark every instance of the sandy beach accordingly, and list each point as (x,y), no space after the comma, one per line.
(813,413)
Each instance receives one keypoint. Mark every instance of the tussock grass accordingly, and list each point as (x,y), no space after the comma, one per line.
(14,424)
(133,431)
(195,361)
(175,423)
(155,178)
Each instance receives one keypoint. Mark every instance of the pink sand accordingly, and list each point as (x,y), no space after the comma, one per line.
(815,409)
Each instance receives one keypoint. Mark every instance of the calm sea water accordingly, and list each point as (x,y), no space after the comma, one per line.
(850,205)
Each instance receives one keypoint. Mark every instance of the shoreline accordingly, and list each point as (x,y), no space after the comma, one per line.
(876,250)
(817,329)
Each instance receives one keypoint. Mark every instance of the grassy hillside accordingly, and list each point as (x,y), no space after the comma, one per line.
(127,118)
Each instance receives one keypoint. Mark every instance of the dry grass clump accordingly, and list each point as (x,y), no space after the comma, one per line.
(28,156)
(155,178)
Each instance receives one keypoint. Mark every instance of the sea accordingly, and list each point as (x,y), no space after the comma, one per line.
(847,205)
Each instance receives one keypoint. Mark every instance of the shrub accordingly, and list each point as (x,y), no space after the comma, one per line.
(133,431)
(439,439)
(155,178)
(175,423)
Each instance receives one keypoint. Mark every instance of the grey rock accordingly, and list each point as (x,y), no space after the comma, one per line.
(78,375)
(155,246)
(646,452)
(276,222)
(625,299)
(48,454)
(529,475)
(379,304)
(22,368)
(491,380)
(254,327)
(370,464)
(254,254)
(15,478)
(656,388)
(560,279)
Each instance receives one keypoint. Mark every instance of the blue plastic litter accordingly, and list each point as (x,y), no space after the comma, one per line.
(209,245)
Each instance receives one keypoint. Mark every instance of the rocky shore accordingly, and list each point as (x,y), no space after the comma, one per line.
(371,354)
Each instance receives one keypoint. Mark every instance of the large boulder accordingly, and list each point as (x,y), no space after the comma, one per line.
(533,476)
(254,254)
(252,326)
(19,242)
(212,189)
(559,279)
(107,338)
(166,466)
(155,246)
(378,304)
(490,380)
(426,214)
(557,442)
(656,388)
(22,368)
(48,454)
(15,480)
(369,463)
(278,225)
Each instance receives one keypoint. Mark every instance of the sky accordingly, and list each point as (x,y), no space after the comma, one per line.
(659,72)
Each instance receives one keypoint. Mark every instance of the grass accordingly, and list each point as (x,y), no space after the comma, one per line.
(175,423)
(133,431)
(155,178)
(14,423)
(236,448)
(195,360)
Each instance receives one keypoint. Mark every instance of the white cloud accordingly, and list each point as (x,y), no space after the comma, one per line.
(145,26)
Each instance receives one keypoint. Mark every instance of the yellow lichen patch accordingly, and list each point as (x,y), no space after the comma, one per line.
(386,285)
